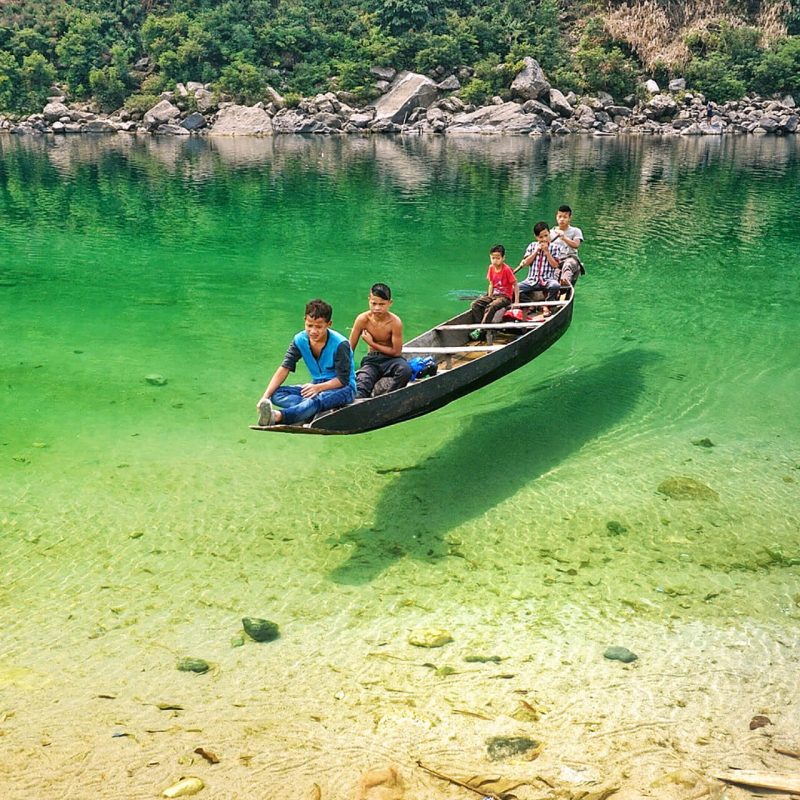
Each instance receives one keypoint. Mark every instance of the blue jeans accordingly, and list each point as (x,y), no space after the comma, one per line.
(297,408)
(550,286)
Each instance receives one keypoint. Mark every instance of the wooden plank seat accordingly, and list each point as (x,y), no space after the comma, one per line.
(449,352)
(464,348)
(541,303)
(492,326)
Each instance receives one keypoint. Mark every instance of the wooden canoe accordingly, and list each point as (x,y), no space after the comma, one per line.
(463,367)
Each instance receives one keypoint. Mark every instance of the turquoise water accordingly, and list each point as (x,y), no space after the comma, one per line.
(139,523)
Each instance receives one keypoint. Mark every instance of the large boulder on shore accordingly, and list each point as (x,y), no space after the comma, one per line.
(660,107)
(504,118)
(408,91)
(531,83)
(560,104)
(236,120)
(54,111)
(161,114)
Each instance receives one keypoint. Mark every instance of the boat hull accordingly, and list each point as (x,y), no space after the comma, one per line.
(429,394)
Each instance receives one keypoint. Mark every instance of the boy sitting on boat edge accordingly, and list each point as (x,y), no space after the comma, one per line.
(501,292)
(383,332)
(543,268)
(329,359)
(565,240)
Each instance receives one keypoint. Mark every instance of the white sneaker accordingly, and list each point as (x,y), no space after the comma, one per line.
(266,413)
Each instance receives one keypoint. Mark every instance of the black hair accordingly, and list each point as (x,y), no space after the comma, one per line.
(319,309)
(381,290)
(539,227)
(498,248)
(566,209)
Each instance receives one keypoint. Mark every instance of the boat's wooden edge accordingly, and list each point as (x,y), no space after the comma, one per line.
(294,429)
(465,348)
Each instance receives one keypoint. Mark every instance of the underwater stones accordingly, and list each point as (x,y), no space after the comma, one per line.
(262,630)
(429,637)
(184,788)
(704,442)
(683,488)
(501,747)
(197,665)
(385,783)
(154,379)
(615,528)
(620,654)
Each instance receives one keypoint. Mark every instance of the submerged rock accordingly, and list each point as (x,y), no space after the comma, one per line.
(500,747)
(615,528)
(620,654)
(262,630)
(154,379)
(705,442)
(430,637)
(197,665)
(683,488)
(381,784)
(184,788)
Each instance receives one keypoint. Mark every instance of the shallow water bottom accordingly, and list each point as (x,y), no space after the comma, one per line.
(127,562)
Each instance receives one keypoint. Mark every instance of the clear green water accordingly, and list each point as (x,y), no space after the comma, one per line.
(141,522)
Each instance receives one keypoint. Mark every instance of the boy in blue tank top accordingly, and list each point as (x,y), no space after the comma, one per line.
(329,359)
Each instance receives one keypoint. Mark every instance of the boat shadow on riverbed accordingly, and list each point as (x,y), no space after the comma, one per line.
(493,456)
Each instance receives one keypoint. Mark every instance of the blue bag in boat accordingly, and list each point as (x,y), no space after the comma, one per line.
(422,366)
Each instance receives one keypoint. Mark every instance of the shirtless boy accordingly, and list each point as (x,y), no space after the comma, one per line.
(383,332)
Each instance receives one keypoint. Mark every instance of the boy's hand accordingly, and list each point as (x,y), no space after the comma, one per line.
(309,390)
(367,337)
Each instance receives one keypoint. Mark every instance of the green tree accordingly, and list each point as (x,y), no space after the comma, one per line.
(9,80)
(601,65)
(401,16)
(81,49)
(715,77)
(108,89)
(24,41)
(546,41)
(779,68)
(36,76)
(243,81)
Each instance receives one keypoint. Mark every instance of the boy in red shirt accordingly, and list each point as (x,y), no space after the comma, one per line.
(503,290)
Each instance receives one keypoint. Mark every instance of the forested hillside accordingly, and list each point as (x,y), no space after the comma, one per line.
(126,52)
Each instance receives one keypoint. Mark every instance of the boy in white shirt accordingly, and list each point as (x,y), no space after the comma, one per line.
(565,240)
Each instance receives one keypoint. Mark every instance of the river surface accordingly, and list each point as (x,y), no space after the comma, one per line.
(139,523)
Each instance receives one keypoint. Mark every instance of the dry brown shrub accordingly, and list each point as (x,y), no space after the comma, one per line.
(656,29)
(771,18)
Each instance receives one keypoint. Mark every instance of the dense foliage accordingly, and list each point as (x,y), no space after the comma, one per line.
(128,51)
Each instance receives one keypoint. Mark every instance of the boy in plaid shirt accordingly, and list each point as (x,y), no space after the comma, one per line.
(543,268)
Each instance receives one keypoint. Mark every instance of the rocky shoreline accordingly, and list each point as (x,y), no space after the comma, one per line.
(411,103)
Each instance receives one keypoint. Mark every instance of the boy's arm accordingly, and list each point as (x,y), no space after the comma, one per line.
(516,292)
(355,334)
(527,259)
(395,346)
(277,379)
(397,338)
(573,243)
(551,258)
